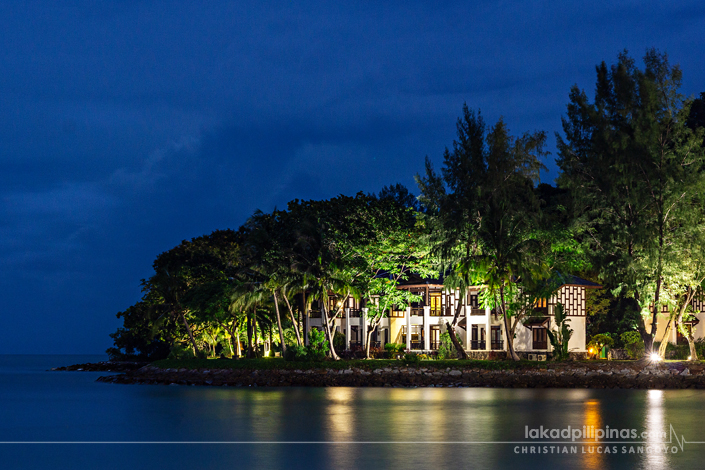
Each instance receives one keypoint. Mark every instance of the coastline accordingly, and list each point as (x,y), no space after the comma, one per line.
(587,374)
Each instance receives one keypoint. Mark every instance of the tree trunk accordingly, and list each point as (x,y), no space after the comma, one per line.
(456,343)
(675,320)
(293,320)
(370,331)
(230,338)
(249,337)
(507,329)
(254,333)
(691,345)
(279,323)
(271,342)
(654,318)
(238,346)
(641,326)
(329,334)
(451,329)
(230,345)
(666,335)
(190,334)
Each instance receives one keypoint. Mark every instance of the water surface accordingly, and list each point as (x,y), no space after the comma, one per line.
(366,428)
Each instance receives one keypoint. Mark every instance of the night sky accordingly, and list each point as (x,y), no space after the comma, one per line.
(128,127)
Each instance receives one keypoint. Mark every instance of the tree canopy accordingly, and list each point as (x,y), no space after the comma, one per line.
(627,210)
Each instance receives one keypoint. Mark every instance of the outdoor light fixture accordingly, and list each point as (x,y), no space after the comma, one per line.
(655,357)
(690,358)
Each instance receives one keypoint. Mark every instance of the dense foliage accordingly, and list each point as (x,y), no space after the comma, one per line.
(627,212)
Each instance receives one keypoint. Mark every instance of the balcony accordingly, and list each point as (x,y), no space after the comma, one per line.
(477,345)
(314,314)
(417,311)
(497,345)
(417,345)
(479,312)
(355,313)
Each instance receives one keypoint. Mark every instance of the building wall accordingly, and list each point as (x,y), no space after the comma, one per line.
(395,329)
(573,300)
(572,297)
(524,339)
(578,340)
(663,321)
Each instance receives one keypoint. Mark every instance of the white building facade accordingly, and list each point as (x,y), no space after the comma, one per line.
(420,325)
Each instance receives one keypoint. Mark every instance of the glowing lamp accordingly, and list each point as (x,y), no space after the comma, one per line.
(655,357)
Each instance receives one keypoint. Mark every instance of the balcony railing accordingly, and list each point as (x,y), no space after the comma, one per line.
(477,345)
(354,344)
(417,312)
(540,345)
(314,313)
(355,313)
(499,344)
(477,311)
(417,345)
(437,312)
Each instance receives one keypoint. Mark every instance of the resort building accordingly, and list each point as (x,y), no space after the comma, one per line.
(481,330)
(675,336)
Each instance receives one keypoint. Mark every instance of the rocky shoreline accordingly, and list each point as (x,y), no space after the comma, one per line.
(626,375)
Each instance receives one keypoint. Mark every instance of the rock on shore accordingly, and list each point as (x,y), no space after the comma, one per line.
(566,375)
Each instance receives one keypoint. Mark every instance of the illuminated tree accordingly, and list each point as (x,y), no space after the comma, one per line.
(481,212)
(635,170)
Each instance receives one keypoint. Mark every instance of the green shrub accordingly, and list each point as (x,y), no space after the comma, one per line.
(700,348)
(339,342)
(317,345)
(178,351)
(393,348)
(633,344)
(296,353)
(675,351)
(412,358)
(315,351)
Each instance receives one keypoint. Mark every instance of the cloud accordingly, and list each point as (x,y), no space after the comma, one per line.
(129,127)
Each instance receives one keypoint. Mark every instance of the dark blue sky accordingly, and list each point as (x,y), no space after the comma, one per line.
(127,128)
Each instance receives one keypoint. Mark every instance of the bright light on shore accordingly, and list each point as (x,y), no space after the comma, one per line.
(655,357)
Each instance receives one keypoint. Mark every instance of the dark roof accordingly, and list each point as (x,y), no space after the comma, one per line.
(571,280)
(535,320)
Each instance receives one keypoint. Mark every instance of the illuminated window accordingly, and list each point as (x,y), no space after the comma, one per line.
(435,304)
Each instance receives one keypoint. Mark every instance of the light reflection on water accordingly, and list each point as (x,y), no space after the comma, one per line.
(39,405)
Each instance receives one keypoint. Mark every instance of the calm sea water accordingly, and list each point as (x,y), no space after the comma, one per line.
(94,423)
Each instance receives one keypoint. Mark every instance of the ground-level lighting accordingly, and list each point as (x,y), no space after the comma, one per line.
(655,357)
